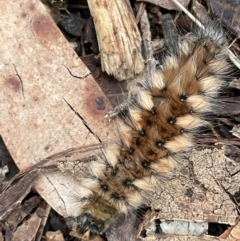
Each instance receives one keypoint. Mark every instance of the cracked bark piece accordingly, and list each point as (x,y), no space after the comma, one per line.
(49,101)
(118,37)
(199,189)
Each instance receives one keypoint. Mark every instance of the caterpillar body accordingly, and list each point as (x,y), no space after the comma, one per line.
(169,110)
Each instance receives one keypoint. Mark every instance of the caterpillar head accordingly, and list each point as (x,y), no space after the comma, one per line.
(87,227)
(94,221)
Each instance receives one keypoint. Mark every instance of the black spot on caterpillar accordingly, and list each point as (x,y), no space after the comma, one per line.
(169,110)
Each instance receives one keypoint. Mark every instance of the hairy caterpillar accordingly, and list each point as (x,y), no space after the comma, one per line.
(161,124)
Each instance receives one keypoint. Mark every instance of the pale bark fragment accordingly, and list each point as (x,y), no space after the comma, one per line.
(49,101)
(118,37)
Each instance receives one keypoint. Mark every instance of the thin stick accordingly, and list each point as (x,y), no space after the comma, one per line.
(189,14)
(41,163)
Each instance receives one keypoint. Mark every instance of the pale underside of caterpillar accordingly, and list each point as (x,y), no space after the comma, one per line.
(169,110)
